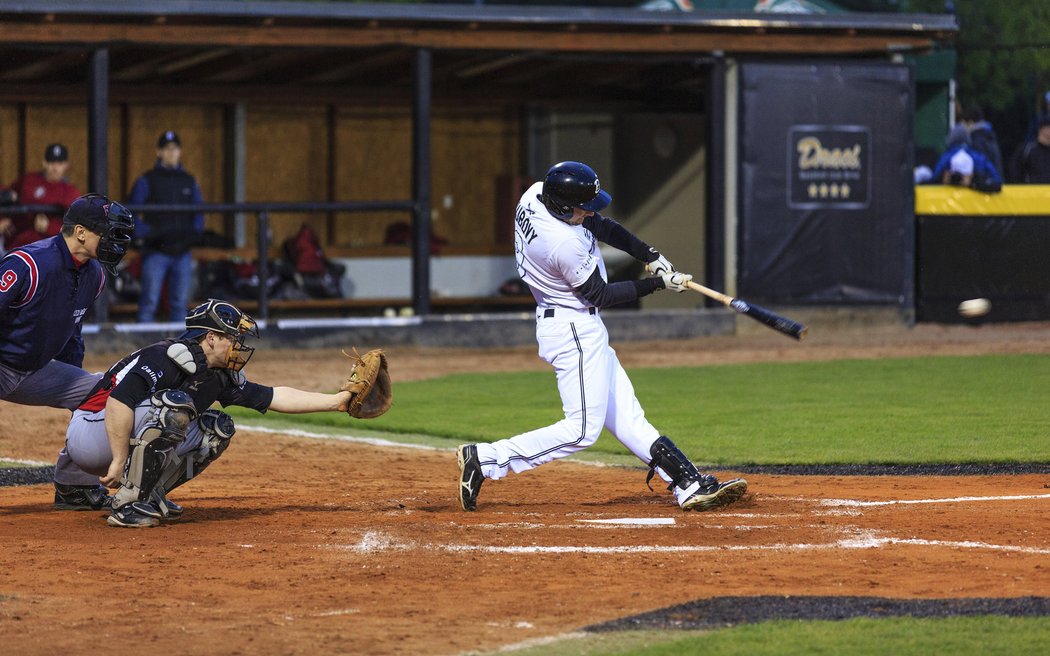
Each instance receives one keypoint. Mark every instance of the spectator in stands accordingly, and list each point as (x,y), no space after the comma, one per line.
(1033,122)
(982,136)
(1031,162)
(167,237)
(963,166)
(45,187)
(960,170)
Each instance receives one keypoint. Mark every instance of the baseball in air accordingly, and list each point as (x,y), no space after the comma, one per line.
(975,307)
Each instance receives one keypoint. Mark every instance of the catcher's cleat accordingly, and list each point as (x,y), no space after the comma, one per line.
(81,497)
(167,508)
(470,476)
(163,507)
(134,515)
(715,495)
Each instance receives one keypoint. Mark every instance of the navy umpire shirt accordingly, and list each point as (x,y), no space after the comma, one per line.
(44,295)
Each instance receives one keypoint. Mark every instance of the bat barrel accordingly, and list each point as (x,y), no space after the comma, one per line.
(772,319)
(768,317)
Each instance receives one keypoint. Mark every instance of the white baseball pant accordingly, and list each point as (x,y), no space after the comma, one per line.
(595,393)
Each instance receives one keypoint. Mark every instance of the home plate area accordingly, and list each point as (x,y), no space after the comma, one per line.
(356,548)
(785,525)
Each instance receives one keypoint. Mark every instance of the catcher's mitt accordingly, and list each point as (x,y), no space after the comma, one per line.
(368,384)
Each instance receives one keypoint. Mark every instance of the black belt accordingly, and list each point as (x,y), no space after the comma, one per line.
(549,312)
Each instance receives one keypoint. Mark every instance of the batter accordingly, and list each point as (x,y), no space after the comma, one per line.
(556,234)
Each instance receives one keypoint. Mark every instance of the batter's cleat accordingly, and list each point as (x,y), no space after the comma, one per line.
(134,515)
(715,495)
(470,476)
(82,497)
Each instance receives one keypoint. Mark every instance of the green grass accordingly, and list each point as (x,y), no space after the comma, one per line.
(906,410)
(935,409)
(988,636)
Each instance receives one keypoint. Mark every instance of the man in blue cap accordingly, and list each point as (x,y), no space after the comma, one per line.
(167,237)
(46,289)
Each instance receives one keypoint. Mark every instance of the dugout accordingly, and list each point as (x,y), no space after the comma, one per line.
(445,110)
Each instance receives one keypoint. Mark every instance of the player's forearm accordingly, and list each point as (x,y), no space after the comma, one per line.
(120,421)
(293,401)
(602,294)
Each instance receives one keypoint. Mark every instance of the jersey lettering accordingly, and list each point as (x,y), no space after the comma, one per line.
(153,376)
(528,233)
(33,276)
(7,280)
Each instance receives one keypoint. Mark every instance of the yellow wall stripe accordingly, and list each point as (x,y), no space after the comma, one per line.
(1013,200)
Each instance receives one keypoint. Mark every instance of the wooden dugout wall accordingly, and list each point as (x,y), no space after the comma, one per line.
(319,152)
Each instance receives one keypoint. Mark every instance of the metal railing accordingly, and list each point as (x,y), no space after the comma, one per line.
(264,236)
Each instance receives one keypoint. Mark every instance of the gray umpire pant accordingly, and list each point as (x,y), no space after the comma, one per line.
(87,454)
(56,384)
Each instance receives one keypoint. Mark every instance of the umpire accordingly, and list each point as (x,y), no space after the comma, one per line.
(46,289)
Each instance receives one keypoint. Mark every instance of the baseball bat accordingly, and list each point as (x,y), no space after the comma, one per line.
(758,313)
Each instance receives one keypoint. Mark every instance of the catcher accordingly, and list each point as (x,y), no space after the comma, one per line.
(148,426)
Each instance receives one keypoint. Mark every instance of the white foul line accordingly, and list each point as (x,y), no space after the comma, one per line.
(855,503)
(374,541)
(31,463)
(873,543)
(373,441)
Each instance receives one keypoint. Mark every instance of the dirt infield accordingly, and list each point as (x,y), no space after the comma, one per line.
(304,546)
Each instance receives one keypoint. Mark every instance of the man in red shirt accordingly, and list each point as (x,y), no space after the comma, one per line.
(46,187)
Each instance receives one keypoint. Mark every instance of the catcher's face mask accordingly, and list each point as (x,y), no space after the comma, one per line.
(222,317)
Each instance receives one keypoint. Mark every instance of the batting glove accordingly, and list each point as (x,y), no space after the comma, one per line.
(676,281)
(659,266)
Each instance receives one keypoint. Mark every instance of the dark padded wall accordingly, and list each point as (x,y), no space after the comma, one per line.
(826,199)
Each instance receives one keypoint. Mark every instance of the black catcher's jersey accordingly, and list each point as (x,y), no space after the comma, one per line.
(150,370)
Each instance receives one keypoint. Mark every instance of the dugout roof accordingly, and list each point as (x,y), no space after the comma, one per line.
(325,52)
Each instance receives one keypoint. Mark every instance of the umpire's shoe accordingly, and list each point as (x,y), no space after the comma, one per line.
(470,476)
(715,495)
(134,515)
(81,497)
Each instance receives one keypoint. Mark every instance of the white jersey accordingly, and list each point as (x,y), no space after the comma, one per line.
(553,257)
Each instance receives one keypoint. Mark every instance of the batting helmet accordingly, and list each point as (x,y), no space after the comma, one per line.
(221,317)
(110,220)
(573,184)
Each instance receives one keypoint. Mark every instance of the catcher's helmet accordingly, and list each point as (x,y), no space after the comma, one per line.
(221,317)
(110,220)
(573,184)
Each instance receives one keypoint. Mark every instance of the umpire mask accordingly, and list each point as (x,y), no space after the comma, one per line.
(110,220)
(221,317)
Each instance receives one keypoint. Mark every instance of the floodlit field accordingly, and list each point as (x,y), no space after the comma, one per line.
(321,535)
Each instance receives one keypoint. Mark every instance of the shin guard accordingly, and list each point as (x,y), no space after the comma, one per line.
(675,464)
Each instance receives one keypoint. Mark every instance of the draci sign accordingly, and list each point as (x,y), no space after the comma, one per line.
(829,166)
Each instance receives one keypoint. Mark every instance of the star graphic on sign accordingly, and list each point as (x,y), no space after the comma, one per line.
(845,191)
(824,190)
(812,190)
(834,191)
